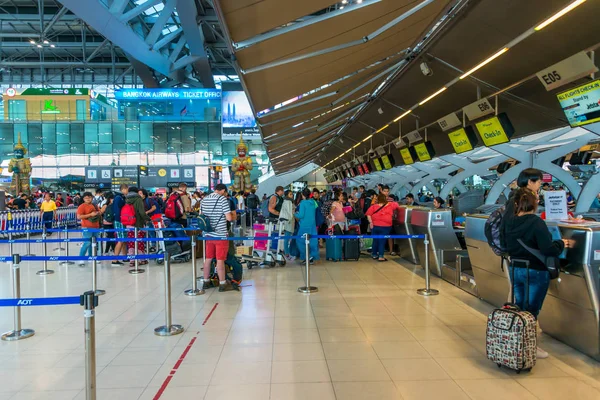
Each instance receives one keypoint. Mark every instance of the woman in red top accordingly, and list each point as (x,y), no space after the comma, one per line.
(380,218)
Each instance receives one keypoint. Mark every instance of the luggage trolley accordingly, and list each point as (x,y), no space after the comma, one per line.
(178,253)
(263,253)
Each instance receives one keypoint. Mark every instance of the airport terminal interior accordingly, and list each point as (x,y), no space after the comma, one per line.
(282,200)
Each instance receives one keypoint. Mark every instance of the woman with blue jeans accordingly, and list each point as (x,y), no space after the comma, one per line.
(380,216)
(534,233)
(306,216)
(286,217)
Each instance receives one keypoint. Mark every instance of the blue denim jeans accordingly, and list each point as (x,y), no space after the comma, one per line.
(313,246)
(378,248)
(286,243)
(87,246)
(537,289)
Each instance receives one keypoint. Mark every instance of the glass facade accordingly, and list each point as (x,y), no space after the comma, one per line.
(59,149)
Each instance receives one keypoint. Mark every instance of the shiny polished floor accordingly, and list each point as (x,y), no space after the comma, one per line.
(365,335)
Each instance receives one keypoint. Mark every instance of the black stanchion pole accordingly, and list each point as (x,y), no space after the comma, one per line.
(168,329)
(89,301)
(17,333)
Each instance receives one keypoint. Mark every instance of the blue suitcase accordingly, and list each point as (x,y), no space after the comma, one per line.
(333,249)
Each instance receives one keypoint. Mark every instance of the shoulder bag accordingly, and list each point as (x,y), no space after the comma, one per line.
(552,263)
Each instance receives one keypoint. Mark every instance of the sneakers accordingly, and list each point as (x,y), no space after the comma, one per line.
(82,263)
(541,354)
(225,287)
(116,264)
(393,254)
(206,285)
(311,260)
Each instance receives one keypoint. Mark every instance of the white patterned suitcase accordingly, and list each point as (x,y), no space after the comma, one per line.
(511,338)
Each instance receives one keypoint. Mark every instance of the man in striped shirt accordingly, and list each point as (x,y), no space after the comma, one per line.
(216,207)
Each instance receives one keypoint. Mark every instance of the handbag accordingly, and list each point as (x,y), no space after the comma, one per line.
(552,263)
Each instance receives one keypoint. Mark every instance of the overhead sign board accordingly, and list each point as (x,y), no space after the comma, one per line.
(169,176)
(406,156)
(413,136)
(478,109)
(495,130)
(463,139)
(378,166)
(581,105)
(423,151)
(167,94)
(449,121)
(567,71)
(388,161)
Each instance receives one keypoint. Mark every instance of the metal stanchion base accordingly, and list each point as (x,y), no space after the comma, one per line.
(99,292)
(136,271)
(168,330)
(192,292)
(59,249)
(66,263)
(45,272)
(308,289)
(428,292)
(18,335)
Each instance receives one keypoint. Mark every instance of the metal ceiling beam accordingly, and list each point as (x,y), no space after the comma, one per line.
(342,46)
(54,20)
(187,11)
(160,22)
(145,73)
(98,17)
(98,49)
(299,25)
(134,12)
(60,64)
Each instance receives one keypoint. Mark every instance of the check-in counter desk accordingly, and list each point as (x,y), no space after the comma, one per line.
(571,311)
(447,257)
(489,273)
(407,247)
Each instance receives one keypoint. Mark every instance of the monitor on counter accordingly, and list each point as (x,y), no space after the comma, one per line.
(495,130)
(388,161)
(377,164)
(581,104)
(463,139)
(422,151)
(407,156)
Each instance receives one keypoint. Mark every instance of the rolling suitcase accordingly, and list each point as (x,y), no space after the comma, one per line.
(333,249)
(351,249)
(511,335)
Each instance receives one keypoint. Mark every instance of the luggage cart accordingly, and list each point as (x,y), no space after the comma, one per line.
(263,253)
(179,256)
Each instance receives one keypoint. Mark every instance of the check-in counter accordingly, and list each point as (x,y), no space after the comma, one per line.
(571,310)
(407,247)
(489,273)
(447,258)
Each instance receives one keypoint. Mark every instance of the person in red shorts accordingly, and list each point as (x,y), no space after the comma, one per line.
(216,207)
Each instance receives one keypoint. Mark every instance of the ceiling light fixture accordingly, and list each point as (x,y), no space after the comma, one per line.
(380,129)
(433,95)
(498,54)
(402,116)
(559,14)
(32,41)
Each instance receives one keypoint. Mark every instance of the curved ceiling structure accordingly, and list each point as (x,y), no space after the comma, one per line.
(328,80)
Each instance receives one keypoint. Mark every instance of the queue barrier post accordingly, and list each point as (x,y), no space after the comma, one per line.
(89,300)
(28,240)
(45,270)
(194,291)
(136,270)
(168,329)
(307,288)
(427,291)
(66,262)
(97,292)
(59,248)
(17,333)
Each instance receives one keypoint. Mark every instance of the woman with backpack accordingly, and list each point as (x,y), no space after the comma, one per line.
(133,215)
(380,218)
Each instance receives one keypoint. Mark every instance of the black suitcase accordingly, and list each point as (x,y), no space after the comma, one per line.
(351,249)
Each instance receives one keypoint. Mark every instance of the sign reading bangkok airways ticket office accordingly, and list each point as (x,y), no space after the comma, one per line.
(167,94)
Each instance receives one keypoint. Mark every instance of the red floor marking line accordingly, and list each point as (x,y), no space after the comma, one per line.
(180,360)
(210,313)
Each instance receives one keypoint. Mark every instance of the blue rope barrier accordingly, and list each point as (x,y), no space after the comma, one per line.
(42,301)
(87,258)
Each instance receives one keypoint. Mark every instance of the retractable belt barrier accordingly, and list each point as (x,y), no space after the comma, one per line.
(30,220)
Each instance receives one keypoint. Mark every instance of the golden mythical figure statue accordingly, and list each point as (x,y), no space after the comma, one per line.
(21,169)
(241,165)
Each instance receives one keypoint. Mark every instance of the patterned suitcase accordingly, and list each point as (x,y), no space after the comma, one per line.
(511,335)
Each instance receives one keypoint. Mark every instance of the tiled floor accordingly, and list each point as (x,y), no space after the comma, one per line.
(365,335)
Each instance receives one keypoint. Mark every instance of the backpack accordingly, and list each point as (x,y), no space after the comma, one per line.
(109,214)
(264,207)
(174,207)
(492,231)
(128,217)
(252,201)
(204,224)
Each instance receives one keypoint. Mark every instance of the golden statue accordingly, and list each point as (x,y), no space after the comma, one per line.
(20,168)
(241,165)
